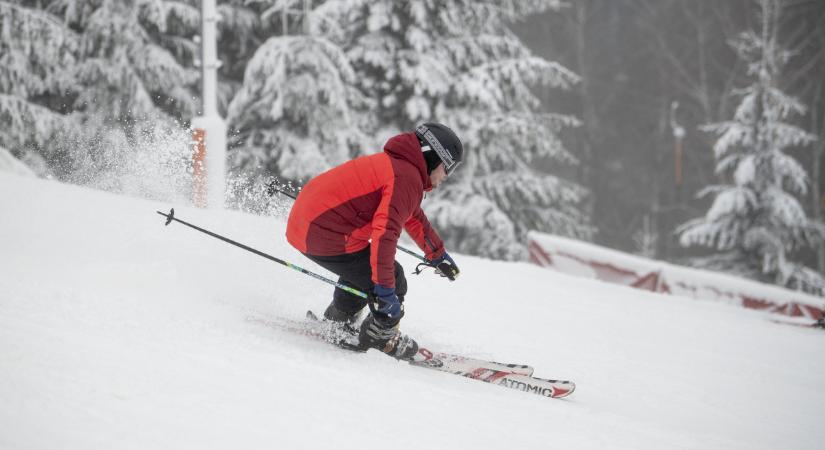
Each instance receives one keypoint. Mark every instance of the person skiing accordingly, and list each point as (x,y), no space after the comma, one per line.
(349,219)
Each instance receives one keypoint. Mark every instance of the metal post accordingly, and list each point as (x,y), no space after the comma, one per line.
(210,127)
(209,47)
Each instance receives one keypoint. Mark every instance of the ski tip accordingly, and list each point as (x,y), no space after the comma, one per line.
(564,390)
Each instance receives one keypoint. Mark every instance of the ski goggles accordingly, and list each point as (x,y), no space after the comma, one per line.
(450,163)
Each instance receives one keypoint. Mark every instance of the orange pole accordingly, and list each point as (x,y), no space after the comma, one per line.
(199,167)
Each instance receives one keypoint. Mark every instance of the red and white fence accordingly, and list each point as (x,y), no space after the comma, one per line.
(591,261)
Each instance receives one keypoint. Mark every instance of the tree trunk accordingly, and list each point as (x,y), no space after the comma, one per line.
(816,192)
(589,115)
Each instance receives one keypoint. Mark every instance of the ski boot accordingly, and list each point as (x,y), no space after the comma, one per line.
(333,314)
(378,334)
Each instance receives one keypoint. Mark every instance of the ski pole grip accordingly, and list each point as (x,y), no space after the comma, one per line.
(273,188)
(371,302)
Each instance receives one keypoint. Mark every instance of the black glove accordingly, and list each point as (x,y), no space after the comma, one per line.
(446,266)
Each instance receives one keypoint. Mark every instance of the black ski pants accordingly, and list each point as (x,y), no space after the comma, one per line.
(354,270)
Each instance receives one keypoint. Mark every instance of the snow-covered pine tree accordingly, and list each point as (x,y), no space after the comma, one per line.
(36,49)
(133,74)
(756,221)
(297,113)
(135,58)
(458,62)
(240,32)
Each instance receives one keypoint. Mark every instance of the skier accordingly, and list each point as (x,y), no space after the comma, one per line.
(349,218)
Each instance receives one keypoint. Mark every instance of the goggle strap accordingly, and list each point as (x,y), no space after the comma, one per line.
(449,163)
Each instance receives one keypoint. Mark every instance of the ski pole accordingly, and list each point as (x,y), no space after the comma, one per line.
(171,216)
(272,189)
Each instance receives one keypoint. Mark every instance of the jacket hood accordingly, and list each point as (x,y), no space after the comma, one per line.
(406,146)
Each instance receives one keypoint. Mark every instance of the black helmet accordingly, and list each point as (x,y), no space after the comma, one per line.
(439,138)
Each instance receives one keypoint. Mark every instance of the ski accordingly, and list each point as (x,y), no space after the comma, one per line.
(347,337)
(513,376)
(819,324)
(463,362)
(525,383)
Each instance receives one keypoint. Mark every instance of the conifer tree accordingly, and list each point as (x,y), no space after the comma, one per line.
(297,113)
(756,221)
(241,30)
(36,48)
(458,62)
(135,59)
(83,76)
(133,75)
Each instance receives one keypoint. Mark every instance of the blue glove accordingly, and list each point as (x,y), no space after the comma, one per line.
(446,266)
(387,302)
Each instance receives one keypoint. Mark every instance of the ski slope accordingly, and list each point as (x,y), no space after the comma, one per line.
(119,332)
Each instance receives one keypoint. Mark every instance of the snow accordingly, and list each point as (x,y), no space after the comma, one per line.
(119,332)
(8,163)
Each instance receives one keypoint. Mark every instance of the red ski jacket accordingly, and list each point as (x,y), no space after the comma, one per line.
(370,198)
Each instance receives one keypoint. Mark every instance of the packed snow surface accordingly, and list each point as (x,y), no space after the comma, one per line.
(119,332)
